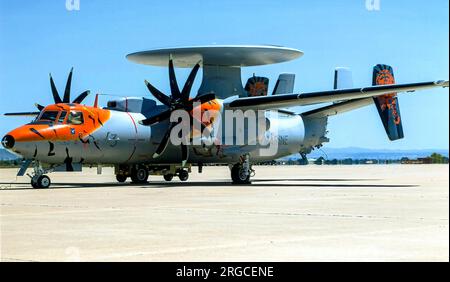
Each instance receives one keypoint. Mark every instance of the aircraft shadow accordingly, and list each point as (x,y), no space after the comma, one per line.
(336,183)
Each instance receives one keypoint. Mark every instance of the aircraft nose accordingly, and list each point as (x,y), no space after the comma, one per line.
(8,141)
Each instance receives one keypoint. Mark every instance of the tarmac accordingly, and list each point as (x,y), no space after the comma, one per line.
(288,213)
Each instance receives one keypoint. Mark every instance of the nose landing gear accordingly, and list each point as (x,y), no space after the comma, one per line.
(42,181)
(39,179)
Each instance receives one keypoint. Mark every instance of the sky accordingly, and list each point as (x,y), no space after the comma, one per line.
(38,37)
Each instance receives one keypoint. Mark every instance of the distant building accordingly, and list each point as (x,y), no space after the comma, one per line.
(426,160)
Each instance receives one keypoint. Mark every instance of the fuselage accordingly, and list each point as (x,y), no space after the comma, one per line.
(74,133)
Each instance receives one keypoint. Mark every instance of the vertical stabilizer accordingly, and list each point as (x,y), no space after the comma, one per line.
(284,84)
(387,105)
(342,78)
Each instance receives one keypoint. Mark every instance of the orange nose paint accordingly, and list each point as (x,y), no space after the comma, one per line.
(88,119)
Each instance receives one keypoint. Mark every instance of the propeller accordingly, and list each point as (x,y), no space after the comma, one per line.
(56,97)
(178,100)
(66,97)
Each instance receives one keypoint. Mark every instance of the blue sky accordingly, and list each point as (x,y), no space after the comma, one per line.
(38,37)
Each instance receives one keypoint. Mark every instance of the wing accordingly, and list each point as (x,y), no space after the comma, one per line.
(339,95)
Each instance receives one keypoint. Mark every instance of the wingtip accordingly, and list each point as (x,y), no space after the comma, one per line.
(442,83)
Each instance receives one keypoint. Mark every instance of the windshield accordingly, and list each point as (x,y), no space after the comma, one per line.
(75,117)
(62,117)
(48,116)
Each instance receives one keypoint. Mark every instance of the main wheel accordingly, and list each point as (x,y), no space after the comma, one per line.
(121,178)
(183,175)
(168,177)
(238,175)
(139,175)
(42,181)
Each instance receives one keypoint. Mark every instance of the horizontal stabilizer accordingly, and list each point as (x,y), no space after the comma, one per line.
(338,108)
(292,100)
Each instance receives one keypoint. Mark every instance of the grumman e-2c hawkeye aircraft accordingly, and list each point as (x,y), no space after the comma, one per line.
(135,134)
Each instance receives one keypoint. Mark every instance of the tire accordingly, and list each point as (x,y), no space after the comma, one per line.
(238,176)
(139,175)
(183,175)
(121,178)
(43,181)
(168,177)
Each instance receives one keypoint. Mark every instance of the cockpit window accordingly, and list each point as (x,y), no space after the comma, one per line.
(75,117)
(48,116)
(62,117)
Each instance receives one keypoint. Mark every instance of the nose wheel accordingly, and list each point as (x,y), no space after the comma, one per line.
(38,177)
(42,181)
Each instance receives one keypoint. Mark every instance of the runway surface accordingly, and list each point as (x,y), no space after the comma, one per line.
(289,213)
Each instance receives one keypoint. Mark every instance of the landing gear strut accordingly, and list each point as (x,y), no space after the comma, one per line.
(241,172)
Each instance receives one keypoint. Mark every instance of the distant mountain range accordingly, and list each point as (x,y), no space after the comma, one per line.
(334,153)
(7,156)
(363,153)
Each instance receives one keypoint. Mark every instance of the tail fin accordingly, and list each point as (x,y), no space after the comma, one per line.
(284,84)
(387,105)
(342,78)
(257,86)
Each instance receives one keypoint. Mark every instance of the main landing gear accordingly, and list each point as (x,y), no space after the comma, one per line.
(242,171)
(139,173)
(183,175)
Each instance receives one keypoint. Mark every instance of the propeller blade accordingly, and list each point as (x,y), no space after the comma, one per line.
(81,97)
(23,114)
(173,81)
(164,142)
(276,87)
(184,154)
(56,97)
(40,107)
(156,118)
(66,98)
(188,85)
(158,94)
